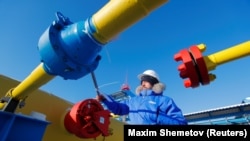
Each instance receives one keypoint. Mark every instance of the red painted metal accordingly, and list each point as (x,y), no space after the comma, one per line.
(87,119)
(201,65)
(193,69)
(187,69)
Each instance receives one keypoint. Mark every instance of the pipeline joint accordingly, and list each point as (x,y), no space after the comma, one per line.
(10,104)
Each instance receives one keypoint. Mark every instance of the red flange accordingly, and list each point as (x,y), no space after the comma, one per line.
(193,67)
(201,65)
(187,69)
(87,119)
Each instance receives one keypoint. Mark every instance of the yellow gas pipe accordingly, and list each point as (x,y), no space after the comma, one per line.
(37,78)
(227,55)
(110,20)
(195,68)
(117,15)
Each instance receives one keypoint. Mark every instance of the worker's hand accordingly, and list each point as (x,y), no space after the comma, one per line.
(100,97)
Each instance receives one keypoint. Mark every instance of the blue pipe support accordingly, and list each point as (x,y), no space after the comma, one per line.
(68,49)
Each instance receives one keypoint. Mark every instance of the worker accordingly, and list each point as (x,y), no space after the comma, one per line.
(149,106)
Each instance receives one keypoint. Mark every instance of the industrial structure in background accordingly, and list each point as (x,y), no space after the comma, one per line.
(71,50)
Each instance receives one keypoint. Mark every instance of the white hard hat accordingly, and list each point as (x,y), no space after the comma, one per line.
(149,73)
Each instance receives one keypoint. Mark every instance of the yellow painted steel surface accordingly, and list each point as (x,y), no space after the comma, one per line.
(117,15)
(112,19)
(31,83)
(34,81)
(227,55)
(55,108)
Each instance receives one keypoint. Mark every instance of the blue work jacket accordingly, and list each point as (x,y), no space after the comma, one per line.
(148,108)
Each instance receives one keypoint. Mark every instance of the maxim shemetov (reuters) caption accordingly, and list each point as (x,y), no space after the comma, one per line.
(239,132)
